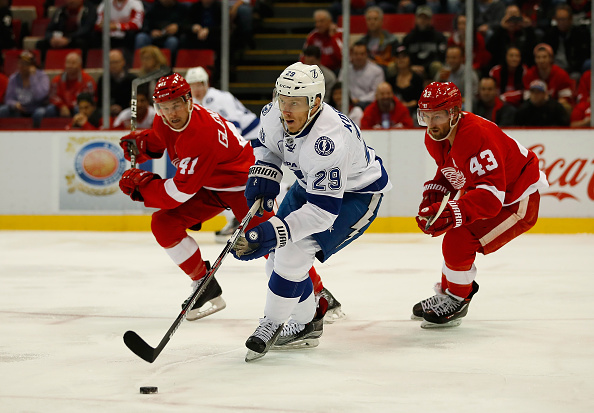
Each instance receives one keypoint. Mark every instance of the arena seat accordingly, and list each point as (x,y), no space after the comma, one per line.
(54,59)
(11,59)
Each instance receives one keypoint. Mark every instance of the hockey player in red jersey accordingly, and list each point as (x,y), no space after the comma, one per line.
(212,161)
(493,182)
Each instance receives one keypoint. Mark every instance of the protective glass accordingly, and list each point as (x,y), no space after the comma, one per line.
(432,117)
(292,104)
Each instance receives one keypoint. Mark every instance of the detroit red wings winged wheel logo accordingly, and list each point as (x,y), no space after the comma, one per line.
(454,176)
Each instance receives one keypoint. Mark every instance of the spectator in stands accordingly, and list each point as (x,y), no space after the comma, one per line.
(559,84)
(355,113)
(202,26)
(581,114)
(509,77)
(327,38)
(145,112)
(584,85)
(241,16)
(126,19)
(161,26)
(88,116)
(7,39)
(407,84)
(381,44)
(120,84)
(364,76)
(453,71)
(490,106)
(481,58)
(65,88)
(487,15)
(513,30)
(312,56)
(71,27)
(540,109)
(3,86)
(425,45)
(27,91)
(571,44)
(582,11)
(386,112)
(151,59)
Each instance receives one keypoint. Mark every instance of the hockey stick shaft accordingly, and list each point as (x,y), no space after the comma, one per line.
(442,206)
(148,353)
(134,105)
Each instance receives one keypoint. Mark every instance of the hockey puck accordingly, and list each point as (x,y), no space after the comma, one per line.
(148,390)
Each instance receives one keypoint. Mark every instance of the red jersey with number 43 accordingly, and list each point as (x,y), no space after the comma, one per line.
(491,168)
(208,153)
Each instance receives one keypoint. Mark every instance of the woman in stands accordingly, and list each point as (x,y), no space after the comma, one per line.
(508,76)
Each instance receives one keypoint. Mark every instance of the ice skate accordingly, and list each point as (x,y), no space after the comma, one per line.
(223,235)
(297,336)
(334,311)
(448,312)
(263,338)
(420,307)
(209,302)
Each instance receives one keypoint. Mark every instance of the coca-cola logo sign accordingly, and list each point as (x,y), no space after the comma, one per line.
(566,176)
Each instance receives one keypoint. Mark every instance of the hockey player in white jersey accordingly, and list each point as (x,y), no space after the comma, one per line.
(339,187)
(224,103)
(229,107)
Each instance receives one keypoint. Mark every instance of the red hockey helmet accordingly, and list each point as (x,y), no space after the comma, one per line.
(171,87)
(438,97)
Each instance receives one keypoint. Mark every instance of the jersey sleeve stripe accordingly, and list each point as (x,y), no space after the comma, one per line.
(176,194)
(251,126)
(256,144)
(325,202)
(500,195)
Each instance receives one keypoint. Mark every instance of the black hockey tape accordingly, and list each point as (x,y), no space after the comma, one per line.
(148,390)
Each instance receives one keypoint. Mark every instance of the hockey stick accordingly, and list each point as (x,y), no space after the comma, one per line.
(134,108)
(140,347)
(442,206)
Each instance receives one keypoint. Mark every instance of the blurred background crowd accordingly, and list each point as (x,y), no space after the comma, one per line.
(530,64)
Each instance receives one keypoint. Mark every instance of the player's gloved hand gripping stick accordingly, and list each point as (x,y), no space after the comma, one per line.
(148,353)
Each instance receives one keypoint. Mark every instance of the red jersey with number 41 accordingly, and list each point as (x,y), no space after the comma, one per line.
(489,167)
(208,153)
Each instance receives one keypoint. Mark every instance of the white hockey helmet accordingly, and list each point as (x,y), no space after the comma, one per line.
(197,75)
(300,79)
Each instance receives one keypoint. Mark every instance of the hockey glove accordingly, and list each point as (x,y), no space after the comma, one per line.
(136,142)
(263,182)
(451,217)
(134,179)
(261,240)
(432,192)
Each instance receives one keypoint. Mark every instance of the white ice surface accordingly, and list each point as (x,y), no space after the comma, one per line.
(66,298)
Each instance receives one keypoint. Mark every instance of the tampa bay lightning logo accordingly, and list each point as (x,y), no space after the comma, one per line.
(266,109)
(208,100)
(290,143)
(262,135)
(324,146)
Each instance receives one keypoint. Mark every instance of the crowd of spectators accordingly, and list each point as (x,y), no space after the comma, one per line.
(530,62)
(519,46)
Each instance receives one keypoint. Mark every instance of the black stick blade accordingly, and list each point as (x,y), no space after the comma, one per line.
(140,347)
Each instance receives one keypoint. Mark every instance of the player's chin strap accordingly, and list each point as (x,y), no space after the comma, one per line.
(310,117)
(452,126)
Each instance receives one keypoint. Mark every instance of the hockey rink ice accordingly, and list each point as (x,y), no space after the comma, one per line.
(66,299)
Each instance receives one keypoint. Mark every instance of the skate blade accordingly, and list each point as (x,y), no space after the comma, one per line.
(414,317)
(334,315)
(298,345)
(216,304)
(454,323)
(252,355)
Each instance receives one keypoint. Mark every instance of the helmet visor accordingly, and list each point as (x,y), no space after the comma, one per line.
(292,103)
(170,107)
(431,118)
